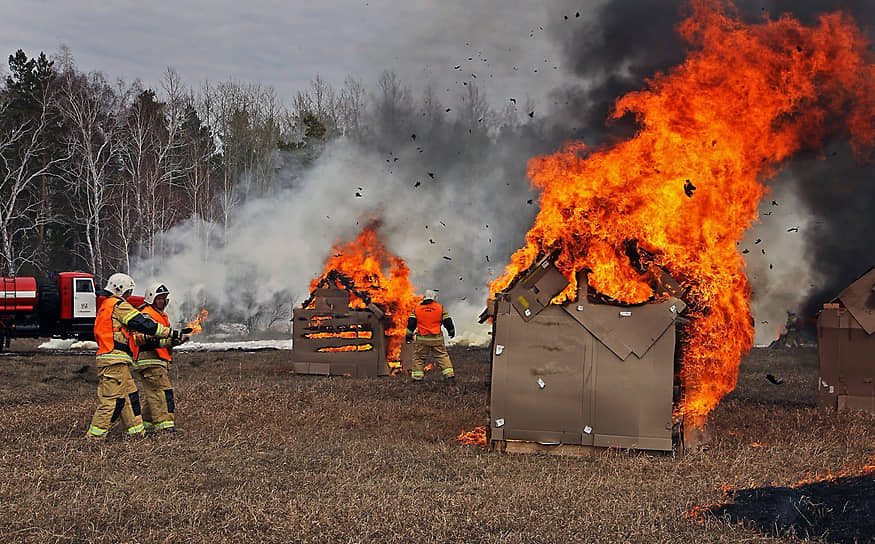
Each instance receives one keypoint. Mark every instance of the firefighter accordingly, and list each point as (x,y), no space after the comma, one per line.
(792,338)
(116,392)
(151,360)
(425,321)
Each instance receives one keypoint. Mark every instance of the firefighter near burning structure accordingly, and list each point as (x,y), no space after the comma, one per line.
(151,360)
(113,327)
(425,321)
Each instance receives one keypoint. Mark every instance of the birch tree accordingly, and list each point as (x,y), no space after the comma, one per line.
(90,107)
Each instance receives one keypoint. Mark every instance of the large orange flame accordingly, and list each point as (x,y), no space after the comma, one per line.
(687,186)
(382,274)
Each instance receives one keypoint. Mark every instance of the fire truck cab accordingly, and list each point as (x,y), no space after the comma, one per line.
(63,306)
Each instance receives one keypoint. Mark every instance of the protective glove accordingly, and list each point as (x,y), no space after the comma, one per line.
(183,338)
(186,330)
(176,335)
(408,338)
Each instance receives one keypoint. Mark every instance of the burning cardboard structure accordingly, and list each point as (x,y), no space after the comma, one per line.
(331,338)
(582,373)
(846,348)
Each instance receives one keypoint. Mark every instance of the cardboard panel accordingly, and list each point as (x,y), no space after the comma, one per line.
(331,299)
(846,354)
(856,403)
(554,380)
(534,292)
(537,376)
(634,397)
(859,299)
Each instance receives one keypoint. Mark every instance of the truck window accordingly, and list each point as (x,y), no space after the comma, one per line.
(84,286)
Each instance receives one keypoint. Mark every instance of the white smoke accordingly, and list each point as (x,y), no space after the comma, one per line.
(454,232)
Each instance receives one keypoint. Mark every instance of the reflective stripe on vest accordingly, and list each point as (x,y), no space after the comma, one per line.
(428,318)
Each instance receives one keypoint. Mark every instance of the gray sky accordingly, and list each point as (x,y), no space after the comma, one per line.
(285,44)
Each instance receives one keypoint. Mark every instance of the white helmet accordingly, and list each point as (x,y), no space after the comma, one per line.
(118,284)
(154,290)
(430,294)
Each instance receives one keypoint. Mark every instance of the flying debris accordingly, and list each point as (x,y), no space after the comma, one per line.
(746,251)
(413,136)
(774,203)
(758,240)
(442,223)
(793,229)
(689,188)
(448,258)
(457,67)
(532,113)
(430,241)
(513,100)
(764,251)
(529,202)
(417,184)
(358,195)
(487,258)
(431,175)
(768,213)
(448,110)
(774,380)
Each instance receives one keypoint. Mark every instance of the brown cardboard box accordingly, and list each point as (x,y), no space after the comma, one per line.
(846,348)
(332,314)
(583,373)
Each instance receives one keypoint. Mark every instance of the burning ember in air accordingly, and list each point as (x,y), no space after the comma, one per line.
(682,192)
(380,273)
(196,324)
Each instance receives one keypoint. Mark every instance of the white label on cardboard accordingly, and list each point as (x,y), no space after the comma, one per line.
(580,308)
(587,429)
(673,308)
(541,383)
(499,422)
(832,389)
(528,312)
(545,264)
(625,314)
(498,349)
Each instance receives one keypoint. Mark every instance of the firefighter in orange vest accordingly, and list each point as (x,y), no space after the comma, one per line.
(425,321)
(151,360)
(116,392)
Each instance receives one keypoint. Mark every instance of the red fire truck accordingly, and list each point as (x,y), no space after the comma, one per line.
(62,306)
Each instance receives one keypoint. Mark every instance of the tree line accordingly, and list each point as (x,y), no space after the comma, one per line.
(93,170)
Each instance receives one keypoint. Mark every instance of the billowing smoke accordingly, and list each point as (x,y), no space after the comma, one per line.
(455,203)
(813,237)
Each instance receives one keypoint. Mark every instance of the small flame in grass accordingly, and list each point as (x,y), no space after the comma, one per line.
(475,437)
(196,324)
(756,445)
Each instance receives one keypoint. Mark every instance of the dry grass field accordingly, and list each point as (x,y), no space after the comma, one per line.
(269,456)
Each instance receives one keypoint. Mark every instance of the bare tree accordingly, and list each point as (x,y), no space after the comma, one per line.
(90,107)
(22,163)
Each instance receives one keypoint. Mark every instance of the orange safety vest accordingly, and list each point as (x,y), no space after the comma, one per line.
(103,329)
(428,318)
(158,317)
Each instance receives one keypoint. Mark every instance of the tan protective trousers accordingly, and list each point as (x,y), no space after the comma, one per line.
(421,350)
(158,404)
(117,397)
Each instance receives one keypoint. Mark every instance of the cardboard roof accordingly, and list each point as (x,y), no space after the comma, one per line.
(626,329)
(859,299)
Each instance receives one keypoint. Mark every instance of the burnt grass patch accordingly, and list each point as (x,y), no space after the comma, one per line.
(270,456)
